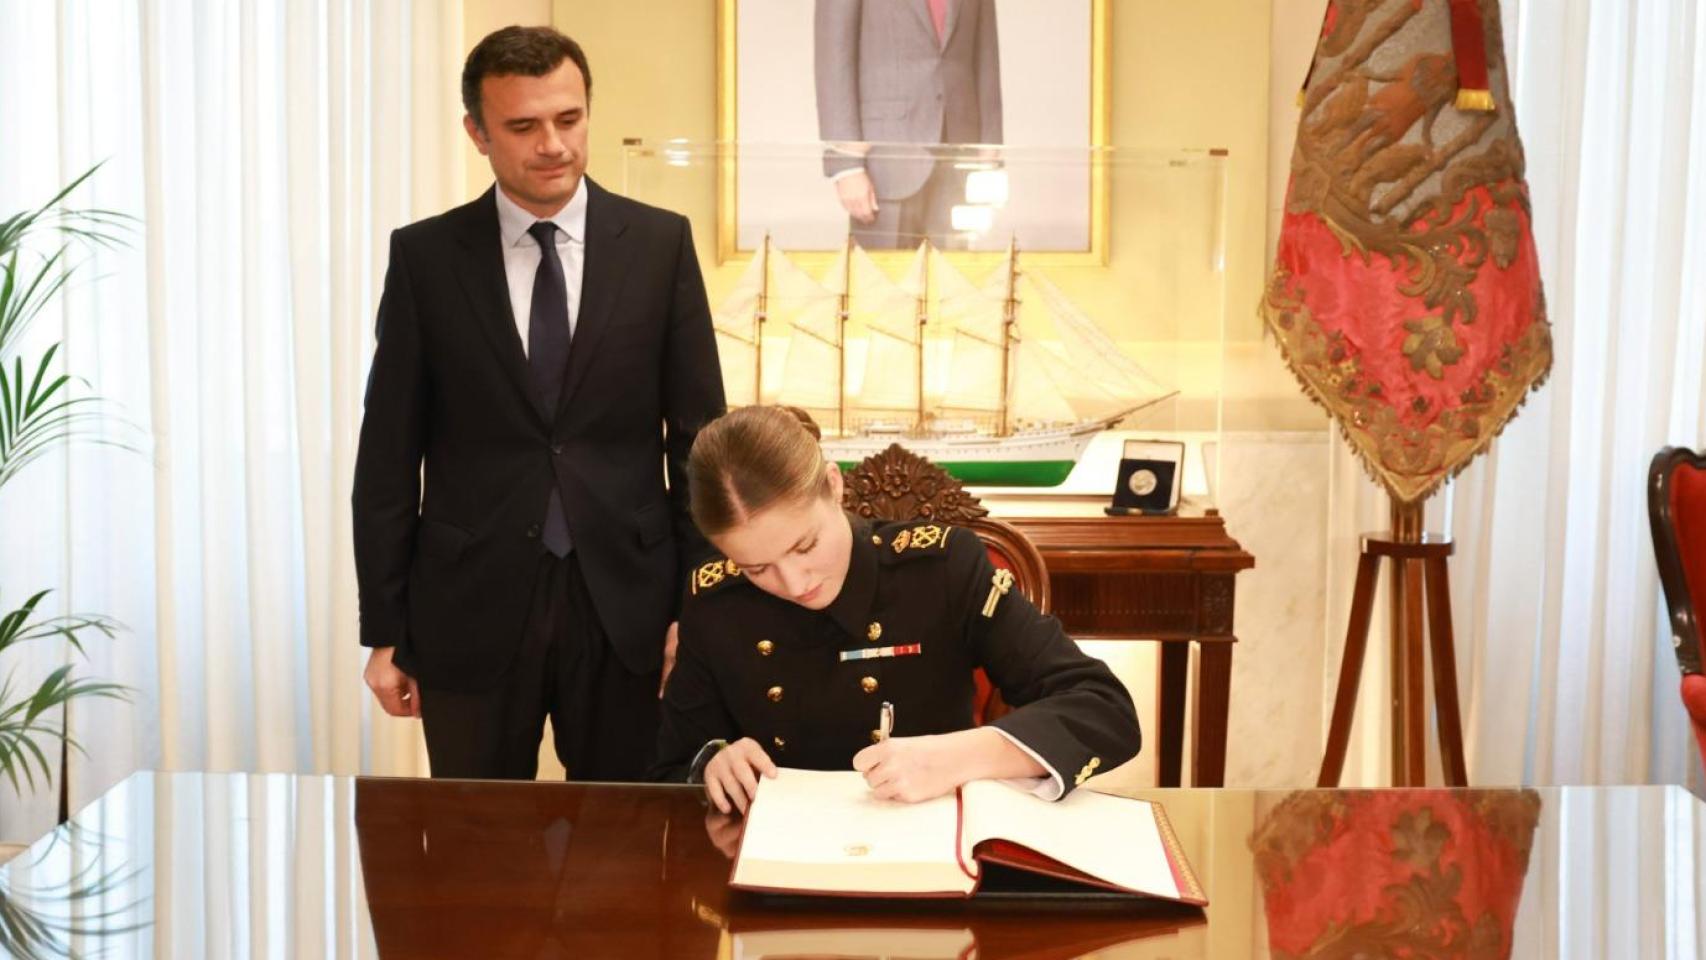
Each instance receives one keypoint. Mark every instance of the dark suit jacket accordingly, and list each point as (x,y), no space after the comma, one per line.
(882,78)
(446,577)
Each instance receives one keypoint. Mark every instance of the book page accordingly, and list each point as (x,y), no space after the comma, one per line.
(1111,838)
(822,830)
(910,943)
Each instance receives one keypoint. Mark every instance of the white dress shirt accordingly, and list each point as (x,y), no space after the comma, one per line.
(521,255)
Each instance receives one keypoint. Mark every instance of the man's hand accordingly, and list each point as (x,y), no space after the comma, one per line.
(670,638)
(857,196)
(397,691)
(731,778)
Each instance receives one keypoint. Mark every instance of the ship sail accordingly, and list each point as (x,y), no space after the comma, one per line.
(970,319)
(887,313)
(1001,381)
(809,312)
(739,325)
(1097,361)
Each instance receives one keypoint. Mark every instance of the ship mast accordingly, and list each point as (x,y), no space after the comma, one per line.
(758,323)
(1009,320)
(841,338)
(923,316)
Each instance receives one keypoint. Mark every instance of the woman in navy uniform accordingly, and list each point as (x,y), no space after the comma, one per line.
(812,620)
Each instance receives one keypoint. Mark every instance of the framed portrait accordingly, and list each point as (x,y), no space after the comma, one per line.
(971,123)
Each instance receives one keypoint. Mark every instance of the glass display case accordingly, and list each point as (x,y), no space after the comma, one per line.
(1016,319)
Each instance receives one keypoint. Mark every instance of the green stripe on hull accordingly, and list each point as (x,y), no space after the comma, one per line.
(1003,473)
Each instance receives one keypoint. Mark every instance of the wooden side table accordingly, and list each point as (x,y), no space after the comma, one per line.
(1171,579)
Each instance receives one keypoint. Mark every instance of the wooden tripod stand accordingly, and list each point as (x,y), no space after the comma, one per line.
(1418,574)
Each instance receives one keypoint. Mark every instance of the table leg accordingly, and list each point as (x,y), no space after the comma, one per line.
(1170,711)
(1214,703)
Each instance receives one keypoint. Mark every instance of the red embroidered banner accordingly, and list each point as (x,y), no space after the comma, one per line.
(1394,873)
(1406,293)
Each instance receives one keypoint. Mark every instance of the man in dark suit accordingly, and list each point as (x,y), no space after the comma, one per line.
(546,353)
(892,72)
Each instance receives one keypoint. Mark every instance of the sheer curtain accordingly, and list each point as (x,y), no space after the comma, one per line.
(1564,659)
(267,149)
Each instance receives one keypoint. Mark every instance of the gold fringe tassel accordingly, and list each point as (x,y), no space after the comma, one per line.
(1479,101)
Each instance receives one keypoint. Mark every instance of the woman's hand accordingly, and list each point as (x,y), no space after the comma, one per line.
(915,769)
(725,831)
(911,769)
(731,778)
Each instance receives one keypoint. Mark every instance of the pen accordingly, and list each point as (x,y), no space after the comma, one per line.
(885,721)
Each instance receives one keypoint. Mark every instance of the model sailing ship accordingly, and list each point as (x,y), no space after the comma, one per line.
(1000,383)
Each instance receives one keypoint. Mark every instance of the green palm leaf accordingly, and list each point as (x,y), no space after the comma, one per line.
(41,409)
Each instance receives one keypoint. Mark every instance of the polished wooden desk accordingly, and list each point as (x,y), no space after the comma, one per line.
(1171,579)
(196,865)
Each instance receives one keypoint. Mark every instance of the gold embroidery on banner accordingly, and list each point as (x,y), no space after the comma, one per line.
(1425,916)
(1405,180)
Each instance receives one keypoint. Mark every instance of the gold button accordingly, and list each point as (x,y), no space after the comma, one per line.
(775,694)
(780,743)
(876,736)
(869,684)
(876,540)
(766,648)
(874,631)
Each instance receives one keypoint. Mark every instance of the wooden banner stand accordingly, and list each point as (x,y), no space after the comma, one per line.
(1418,574)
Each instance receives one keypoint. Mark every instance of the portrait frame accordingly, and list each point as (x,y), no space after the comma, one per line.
(728,198)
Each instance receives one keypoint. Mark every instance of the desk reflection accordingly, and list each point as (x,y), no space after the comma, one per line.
(193,865)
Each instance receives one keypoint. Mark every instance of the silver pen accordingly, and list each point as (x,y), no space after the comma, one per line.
(885,721)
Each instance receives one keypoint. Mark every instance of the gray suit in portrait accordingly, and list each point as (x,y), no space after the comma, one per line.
(884,77)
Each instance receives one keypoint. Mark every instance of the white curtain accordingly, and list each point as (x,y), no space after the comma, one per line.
(1564,659)
(267,148)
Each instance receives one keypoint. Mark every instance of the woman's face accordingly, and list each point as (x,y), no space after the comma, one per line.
(797,550)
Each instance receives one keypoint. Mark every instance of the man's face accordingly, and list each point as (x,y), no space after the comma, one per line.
(534,136)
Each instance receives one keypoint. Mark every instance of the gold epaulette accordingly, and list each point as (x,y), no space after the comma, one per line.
(709,576)
(918,540)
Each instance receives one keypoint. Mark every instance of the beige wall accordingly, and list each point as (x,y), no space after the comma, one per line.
(1195,75)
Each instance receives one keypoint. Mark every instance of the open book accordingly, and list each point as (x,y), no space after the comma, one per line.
(821,832)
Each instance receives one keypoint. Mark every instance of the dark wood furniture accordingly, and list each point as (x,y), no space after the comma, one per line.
(189,864)
(1170,579)
(1676,508)
(1108,578)
(898,484)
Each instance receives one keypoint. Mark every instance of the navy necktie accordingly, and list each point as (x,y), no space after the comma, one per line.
(548,360)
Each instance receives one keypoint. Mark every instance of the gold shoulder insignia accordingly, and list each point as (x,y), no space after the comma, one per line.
(925,536)
(711,575)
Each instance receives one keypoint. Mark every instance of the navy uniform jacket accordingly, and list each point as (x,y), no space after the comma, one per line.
(751,664)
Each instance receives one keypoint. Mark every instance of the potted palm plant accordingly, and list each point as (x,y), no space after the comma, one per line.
(43,408)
